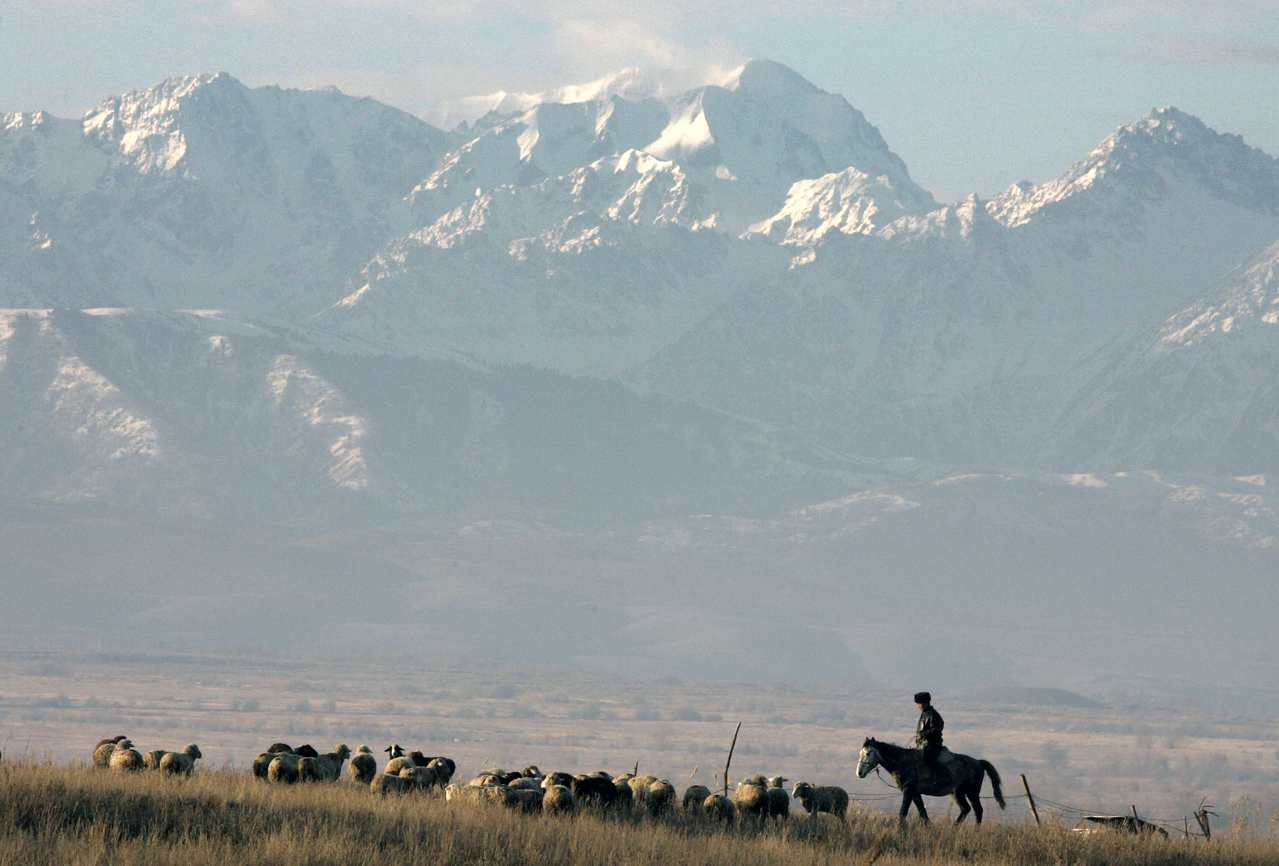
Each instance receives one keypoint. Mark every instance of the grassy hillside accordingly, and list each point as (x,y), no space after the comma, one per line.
(60,815)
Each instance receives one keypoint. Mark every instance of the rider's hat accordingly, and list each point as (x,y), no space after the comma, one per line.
(923,698)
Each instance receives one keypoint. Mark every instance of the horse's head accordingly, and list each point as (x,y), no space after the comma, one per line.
(867,759)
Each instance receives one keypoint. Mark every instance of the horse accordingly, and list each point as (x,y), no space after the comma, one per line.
(906,766)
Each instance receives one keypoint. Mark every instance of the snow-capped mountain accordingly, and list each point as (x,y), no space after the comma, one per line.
(605,338)
(752,245)
(203,192)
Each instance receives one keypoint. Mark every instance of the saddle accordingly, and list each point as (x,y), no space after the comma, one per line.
(936,774)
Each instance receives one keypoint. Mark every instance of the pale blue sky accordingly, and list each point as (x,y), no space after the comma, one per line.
(974,94)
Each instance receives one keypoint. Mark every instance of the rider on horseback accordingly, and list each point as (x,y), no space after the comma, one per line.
(928,731)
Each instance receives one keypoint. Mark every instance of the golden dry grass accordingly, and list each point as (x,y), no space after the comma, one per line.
(75,815)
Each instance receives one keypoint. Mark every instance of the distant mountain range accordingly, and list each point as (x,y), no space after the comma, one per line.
(606,309)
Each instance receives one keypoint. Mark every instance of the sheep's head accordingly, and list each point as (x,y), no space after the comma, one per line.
(363,750)
(119,738)
(343,751)
(193,752)
(126,743)
(394,750)
(802,791)
(777,782)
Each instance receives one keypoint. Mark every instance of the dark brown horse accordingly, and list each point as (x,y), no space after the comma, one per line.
(961,777)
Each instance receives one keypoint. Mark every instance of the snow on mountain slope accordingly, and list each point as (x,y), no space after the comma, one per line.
(848,202)
(1199,391)
(547,140)
(767,128)
(593,294)
(201,414)
(202,192)
(1133,166)
(631,84)
(963,334)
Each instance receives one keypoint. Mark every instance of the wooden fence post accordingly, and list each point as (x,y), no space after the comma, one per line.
(730,757)
(1031,798)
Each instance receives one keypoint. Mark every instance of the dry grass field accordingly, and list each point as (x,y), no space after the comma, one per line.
(55,706)
(76,815)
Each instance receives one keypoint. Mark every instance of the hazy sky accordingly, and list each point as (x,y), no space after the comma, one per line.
(974,94)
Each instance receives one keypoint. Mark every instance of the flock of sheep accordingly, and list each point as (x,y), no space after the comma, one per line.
(118,754)
(528,790)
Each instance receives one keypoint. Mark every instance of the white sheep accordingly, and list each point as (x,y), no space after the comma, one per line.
(830,799)
(363,766)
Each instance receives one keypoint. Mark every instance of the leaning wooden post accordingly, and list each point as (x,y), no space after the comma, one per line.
(730,756)
(1136,821)
(1202,817)
(1186,821)
(1031,798)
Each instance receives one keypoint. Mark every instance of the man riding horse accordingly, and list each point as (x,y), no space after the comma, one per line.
(928,733)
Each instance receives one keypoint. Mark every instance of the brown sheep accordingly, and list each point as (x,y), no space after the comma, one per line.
(659,797)
(180,763)
(751,798)
(125,759)
(444,769)
(329,765)
(694,797)
(719,808)
(283,768)
(102,751)
(151,759)
(559,800)
(385,784)
(524,800)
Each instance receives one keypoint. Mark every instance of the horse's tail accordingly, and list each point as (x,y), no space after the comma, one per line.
(995,783)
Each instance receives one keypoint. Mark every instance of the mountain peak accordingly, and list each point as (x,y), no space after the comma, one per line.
(768,77)
(1142,160)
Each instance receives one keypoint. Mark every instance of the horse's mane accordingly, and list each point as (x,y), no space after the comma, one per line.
(890,748)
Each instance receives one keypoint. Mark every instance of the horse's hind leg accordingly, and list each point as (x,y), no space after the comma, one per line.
(974,797)
(962,801)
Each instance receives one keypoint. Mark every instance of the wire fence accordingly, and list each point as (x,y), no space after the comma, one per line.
(1060,810)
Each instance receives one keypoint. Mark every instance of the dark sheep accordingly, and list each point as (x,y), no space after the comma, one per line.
(595,791)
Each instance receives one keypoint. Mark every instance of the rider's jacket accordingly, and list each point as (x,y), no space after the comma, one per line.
(928,731)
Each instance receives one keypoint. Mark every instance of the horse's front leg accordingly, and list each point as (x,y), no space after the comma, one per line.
(919,805)
(907,797)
